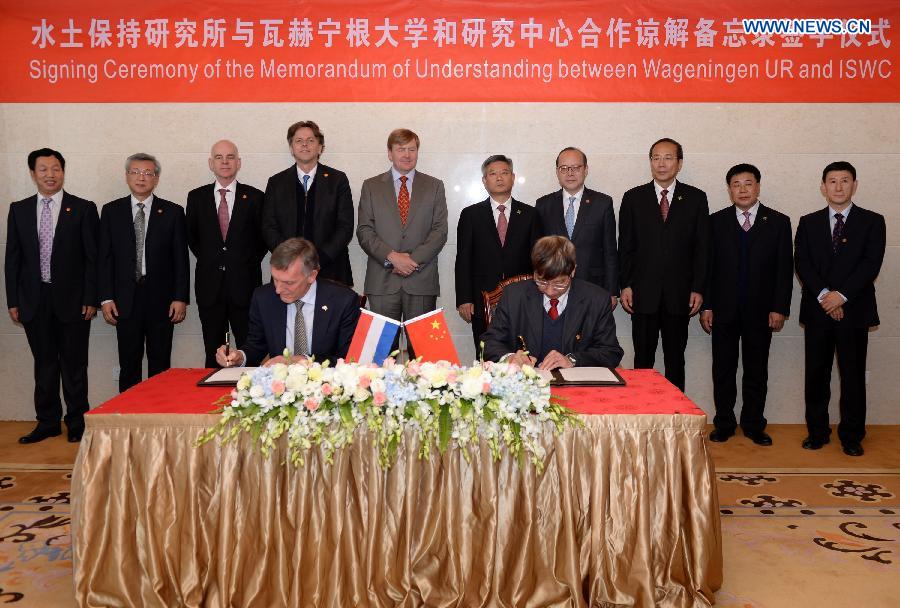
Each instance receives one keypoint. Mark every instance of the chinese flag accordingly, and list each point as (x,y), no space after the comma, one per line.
(430,338)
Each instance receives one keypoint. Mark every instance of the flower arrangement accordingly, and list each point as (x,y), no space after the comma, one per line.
(317,404)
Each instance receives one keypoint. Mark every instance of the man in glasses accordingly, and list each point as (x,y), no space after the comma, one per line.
(663,250)
(144,274)
(311,200)
(587,218)
(493,242)
(556,320)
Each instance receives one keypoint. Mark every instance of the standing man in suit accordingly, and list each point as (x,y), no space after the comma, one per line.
(224,232)
(555,321)
(144,273)
(494,240)
(586,218)
(663,248)
(296,312)
(748,296)
(311,200)
(402,228)
(51,288)
(839,251)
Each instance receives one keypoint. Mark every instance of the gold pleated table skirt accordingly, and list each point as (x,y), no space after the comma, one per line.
(625,513)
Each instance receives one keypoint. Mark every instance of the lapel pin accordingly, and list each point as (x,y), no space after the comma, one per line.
(518,212)
(765,218)
(68,209)
(843,240)
(159,210)
(324,175)
(244,196)
(679,198)
(325,307)
(586,201)
(577,337)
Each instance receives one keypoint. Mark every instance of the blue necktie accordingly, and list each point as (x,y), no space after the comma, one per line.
(570,216)
(306,183)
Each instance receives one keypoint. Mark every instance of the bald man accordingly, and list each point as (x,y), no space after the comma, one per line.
(225,235)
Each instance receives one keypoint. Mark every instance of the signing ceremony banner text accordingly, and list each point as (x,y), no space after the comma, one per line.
(453,50)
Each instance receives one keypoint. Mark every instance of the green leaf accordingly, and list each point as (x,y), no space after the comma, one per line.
(445,425)
(346,412)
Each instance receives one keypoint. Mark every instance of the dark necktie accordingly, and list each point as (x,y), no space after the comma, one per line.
(45,238)
(664,205)
(299,330)
(553,312)
(838,232)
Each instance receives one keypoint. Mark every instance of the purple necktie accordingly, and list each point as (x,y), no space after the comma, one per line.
(501,224)
(746,225)
(838,231)
(45,237)
(223,214)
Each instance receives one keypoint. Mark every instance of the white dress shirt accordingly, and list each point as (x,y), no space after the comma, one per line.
(507,206)
(409,182)
(753,211)
(576,204)
(669,190)
(229,196)
(309,311)
(560,306)
(311,174)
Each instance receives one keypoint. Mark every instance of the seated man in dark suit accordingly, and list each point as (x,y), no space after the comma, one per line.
(296,312)
(555,321)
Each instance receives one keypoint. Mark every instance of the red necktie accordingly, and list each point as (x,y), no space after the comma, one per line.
(664,205)
(403,200)
(223,213)
(554,314)
(501,224)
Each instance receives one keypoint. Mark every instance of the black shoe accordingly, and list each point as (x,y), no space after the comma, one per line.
(39,434)
(720,435)
(853,448)
(75,435)
(760,438)
(814,444)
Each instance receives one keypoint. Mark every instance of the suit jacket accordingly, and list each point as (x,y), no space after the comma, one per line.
(380,231)
(663,260)
(481,262)
(334,321)
(332,218)
(589,329)
(165,250)
(770,265)
(234,261)
(73,261)
(851,271)
(594,236)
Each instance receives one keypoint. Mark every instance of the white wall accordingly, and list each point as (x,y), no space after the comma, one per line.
(790,143)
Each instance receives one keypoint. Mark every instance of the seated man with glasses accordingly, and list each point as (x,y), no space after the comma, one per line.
(556,321)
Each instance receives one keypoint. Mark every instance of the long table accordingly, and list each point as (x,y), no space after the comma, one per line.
(625,512)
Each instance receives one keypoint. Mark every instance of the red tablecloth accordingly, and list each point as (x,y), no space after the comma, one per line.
(176,392)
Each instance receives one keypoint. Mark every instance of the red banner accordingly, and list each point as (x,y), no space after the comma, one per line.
(454,50)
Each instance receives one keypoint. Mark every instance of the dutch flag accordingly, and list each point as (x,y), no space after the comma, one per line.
(373,338)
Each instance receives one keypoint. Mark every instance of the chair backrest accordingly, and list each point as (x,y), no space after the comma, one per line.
(492,298)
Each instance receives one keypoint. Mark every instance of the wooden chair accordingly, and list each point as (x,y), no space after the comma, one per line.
(492,298)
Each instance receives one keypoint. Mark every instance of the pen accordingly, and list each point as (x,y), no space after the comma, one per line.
(227,342)
(522,342)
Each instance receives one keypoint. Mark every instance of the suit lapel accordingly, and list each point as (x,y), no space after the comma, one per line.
(584,209)
(154,217)
(534,329)
(760,226)
(389,201)
(573,311)
(238,211)
(485,217)
(127,220)
(30,226)
(651,205)
(416,196)
(63,222)
(321,316)
(516,223)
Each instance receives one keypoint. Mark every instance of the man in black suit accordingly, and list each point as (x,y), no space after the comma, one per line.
(748,296)
(555,321)
(144,274)
(663,248)
(839,251)
(311,200)
(587,218)
(297,312)
(51,288)
(224,232)
(494,240)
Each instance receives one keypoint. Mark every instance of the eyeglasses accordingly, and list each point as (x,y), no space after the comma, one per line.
(668,158)
(144,172)
(569,168)
(555,285)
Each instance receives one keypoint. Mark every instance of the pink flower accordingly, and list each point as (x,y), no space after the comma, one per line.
(485,388)
(326,389)
(388,362)
(379,399)
(364,381)
(451,378)
(413,368)
(311,404)
(277,387)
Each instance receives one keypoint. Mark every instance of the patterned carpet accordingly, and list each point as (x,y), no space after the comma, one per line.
(792,538)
